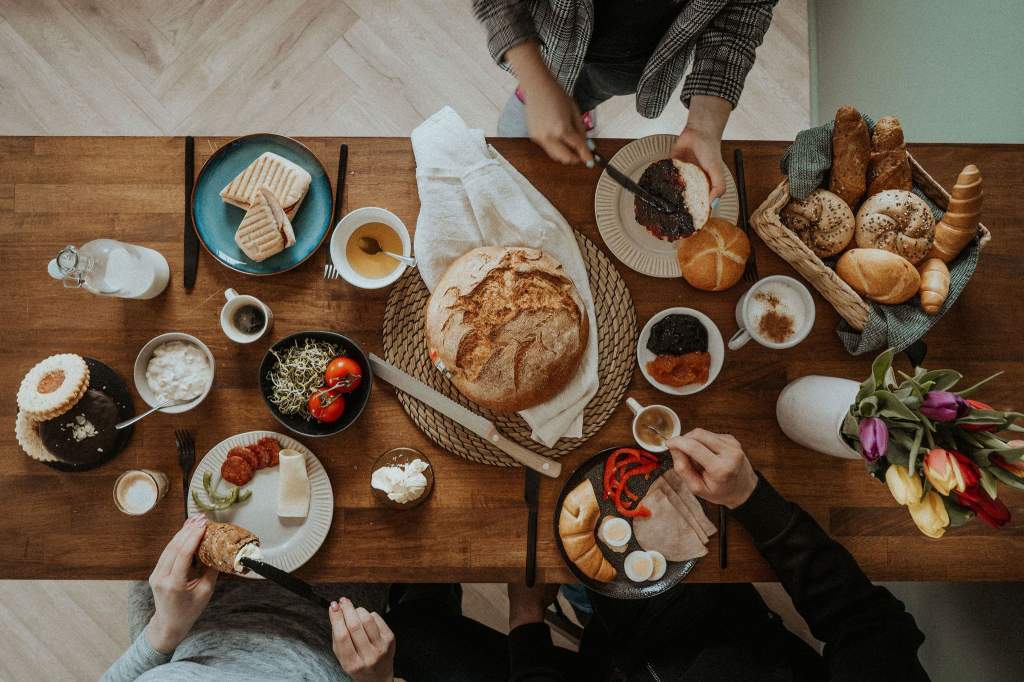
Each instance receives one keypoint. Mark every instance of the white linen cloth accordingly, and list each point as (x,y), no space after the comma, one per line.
(471,196)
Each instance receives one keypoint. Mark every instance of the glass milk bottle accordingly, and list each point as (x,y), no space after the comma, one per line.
(107,267)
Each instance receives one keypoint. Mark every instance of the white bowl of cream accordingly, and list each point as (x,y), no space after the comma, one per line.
(177,366)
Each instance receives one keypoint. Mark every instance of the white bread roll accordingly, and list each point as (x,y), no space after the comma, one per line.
(879,275)
(897,221)
(822,221)
(713,259)
(508,325)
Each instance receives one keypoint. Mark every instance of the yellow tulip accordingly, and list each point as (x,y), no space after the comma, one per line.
(906,489)
(930,515)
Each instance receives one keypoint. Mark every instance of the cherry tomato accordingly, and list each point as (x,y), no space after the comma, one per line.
(326,405)
(344,374)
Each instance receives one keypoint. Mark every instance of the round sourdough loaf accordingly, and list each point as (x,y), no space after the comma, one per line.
(508,325)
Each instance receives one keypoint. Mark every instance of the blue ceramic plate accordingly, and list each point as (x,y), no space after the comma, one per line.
(217,221)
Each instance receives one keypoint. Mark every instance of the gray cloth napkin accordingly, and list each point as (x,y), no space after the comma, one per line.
(807,163)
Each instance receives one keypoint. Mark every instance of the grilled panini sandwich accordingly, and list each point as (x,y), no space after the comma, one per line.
(265,230)
(286,180)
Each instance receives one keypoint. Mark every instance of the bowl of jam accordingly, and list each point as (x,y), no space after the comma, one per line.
(680,351)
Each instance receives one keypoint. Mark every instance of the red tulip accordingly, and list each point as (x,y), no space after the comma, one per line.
(1015,468)
(992,512)
(969,471)
(978,405)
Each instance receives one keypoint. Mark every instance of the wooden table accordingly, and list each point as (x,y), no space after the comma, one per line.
(56,191)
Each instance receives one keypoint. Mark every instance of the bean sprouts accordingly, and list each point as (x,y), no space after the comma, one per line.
(298,373)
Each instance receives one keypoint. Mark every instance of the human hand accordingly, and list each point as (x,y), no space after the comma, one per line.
(704,150)
(714,467)
(179,599)
(363,642)
(555,123)
(528,604)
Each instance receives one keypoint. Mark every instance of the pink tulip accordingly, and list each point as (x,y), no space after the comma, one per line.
(874,438)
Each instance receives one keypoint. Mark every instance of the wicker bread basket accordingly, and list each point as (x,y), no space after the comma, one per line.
(847,302)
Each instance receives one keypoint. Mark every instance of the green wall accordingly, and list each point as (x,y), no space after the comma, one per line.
(950,71)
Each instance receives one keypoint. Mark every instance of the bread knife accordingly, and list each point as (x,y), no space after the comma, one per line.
(474,422)
(650,198)
(285,580)
(191,239)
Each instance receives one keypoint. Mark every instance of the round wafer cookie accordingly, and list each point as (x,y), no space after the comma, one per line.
(26,430)
(53,386)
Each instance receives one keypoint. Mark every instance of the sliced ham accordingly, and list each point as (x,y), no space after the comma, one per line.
(682,495)
(666,530)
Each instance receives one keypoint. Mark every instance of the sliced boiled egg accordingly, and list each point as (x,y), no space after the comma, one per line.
(615,532)
(660,565)
(639,566)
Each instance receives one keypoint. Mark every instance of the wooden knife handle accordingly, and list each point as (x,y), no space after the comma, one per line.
(528,458)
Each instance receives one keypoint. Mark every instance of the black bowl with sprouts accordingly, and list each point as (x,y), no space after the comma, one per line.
(293,370)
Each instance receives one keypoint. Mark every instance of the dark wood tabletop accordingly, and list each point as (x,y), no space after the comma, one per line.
(68,190)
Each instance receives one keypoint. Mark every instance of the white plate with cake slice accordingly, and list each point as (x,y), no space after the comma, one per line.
(286,543)
(631,242)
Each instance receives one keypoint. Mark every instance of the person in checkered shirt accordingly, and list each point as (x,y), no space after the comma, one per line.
(571,55)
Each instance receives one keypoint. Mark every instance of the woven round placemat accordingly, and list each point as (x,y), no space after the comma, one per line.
(406,348)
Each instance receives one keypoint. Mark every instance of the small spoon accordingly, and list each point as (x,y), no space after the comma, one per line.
(660,435)
(166,402)
(372,247)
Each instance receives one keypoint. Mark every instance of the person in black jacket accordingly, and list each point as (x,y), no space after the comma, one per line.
(692,632)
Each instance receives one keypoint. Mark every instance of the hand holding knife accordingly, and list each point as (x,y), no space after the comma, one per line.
(627,183)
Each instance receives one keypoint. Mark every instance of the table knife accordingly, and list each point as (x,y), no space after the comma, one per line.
(191,240)
(474,422)
(532,496)
(627,183)
(286,580)
(339,184)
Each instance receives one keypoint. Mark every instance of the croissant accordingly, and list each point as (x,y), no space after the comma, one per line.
(934,285)
(958,226)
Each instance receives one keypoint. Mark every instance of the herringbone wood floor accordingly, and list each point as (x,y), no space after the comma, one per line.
(222,67)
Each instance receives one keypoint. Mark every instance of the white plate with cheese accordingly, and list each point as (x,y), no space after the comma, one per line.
(285,542)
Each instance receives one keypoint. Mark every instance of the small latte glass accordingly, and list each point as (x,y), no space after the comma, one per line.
(137,491)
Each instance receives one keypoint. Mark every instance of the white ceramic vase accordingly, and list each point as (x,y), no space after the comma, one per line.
(811,410)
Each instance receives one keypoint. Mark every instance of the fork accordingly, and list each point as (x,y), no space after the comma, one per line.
(750,271)
(331,272)
(186,459)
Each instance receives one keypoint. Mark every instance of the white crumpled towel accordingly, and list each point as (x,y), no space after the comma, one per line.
(471,196)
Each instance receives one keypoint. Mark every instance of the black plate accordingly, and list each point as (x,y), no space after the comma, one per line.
(621,587)
(104,379)
(354,401)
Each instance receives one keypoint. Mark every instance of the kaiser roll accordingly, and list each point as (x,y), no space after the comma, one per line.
(823,221)
(880,275)
(897,221)
(508,325)
(713,258)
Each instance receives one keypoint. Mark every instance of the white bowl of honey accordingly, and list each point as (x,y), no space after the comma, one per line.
(370,270)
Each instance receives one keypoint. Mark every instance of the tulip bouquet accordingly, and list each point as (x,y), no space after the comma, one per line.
(936,448)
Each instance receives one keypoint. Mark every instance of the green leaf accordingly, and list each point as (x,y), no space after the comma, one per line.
(971,389)
(881,366)
(868,407)
(1006,478)
(1016,427)
(988,482)
(892,407)
(943,379)
(915,448)
(958,515)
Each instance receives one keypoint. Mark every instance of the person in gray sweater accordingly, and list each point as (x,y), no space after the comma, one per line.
(187,627)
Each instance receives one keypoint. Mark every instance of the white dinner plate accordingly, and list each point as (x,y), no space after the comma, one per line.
(613,209)
(286,543)
(716,348)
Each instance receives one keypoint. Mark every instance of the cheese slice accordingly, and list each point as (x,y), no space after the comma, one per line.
(293,485)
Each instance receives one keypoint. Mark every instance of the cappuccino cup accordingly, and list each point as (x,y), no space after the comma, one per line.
(777,312)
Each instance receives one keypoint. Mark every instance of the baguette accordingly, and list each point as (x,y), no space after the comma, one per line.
(880,275)
(851,151)
(889,166)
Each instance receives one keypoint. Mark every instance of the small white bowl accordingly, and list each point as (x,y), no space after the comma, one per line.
(349,224)
(142,362)
(716,348)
